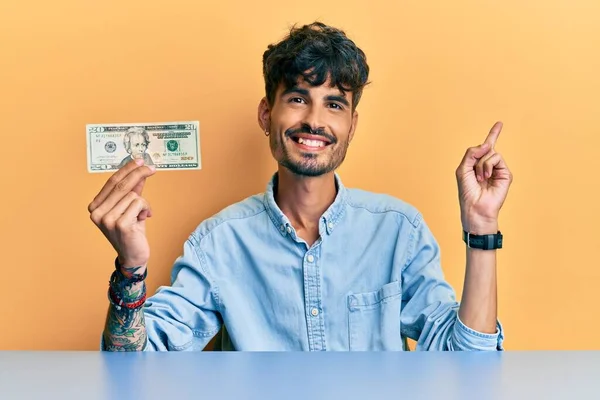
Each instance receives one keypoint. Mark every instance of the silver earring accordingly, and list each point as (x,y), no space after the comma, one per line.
(266,132)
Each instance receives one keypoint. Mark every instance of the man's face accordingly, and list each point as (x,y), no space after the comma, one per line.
(137,146)
(311,128)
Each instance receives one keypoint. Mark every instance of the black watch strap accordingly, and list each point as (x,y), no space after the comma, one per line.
(483,242)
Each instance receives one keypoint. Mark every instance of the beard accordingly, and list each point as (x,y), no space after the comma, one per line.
(306,163)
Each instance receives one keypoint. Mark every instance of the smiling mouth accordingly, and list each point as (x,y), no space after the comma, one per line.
(310,142)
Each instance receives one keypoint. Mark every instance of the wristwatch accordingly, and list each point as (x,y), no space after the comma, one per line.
(483,242)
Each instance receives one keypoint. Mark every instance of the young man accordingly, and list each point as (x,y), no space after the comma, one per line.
(309,264)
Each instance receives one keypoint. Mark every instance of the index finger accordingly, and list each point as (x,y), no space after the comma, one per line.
(114,181)
(494,133)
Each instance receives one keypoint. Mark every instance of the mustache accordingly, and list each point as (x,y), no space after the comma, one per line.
(307,129)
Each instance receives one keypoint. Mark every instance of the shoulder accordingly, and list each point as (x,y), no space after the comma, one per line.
(241,211)
(381,203)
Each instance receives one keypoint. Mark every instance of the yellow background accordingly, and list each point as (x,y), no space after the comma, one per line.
(443,72)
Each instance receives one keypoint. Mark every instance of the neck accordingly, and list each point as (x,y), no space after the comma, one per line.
(304,199)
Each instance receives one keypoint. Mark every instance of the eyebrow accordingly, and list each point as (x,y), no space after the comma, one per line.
(339,99)
(295,89)
(304,92)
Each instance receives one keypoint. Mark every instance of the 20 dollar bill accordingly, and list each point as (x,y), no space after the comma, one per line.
(166,145)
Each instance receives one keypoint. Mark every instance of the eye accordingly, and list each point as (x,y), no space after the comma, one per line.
(297,100)
(336,106)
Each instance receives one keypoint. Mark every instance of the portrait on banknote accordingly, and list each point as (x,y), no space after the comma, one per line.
(136,141)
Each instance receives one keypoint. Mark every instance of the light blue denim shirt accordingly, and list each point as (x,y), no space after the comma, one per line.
(370,281)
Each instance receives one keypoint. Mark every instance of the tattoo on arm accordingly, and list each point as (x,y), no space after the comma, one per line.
(128,272)
(125,329)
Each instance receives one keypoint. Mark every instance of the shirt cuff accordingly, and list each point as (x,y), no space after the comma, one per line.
(466,338)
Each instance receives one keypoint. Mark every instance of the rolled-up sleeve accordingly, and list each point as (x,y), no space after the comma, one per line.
(466,338)
(185,315)
(429,312)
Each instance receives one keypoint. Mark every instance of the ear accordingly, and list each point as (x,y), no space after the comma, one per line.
(264,115)
(353,126)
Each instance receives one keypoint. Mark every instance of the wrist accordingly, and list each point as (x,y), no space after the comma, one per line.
(125,297)
(480,225)
(130,270)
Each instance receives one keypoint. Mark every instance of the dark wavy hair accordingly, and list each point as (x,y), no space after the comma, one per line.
(314,53)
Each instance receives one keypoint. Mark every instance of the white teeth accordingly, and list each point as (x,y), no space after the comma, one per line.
(311,143)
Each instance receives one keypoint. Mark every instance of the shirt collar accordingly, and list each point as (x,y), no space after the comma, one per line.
(329,220)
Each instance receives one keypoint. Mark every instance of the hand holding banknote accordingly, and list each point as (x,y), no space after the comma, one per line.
(120,211)
(133,152)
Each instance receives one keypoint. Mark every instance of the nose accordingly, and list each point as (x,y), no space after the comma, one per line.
(313,118)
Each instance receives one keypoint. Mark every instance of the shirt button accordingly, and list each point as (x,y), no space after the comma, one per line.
(314,312)
(289,230)
(310,258)
(330,225)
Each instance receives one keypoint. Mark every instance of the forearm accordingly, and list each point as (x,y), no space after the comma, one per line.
(478,308)
(125,329)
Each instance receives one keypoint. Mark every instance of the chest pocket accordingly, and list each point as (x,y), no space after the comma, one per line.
(374,319)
